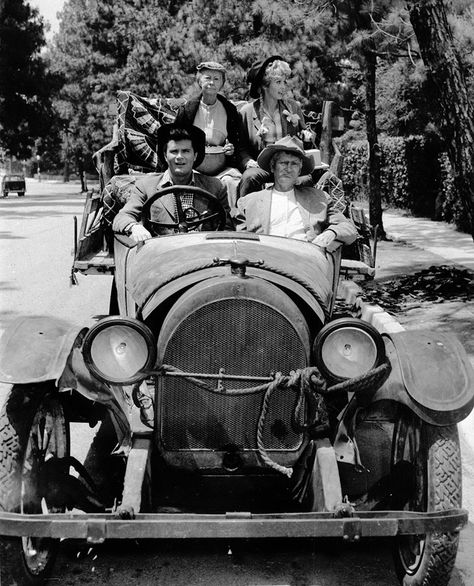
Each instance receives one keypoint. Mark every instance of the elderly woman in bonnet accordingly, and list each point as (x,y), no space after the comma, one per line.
(219,119)
(268,118)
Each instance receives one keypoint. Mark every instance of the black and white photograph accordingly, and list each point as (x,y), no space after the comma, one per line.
(237,292)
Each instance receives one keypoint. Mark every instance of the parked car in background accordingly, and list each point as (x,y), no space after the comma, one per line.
(14,183)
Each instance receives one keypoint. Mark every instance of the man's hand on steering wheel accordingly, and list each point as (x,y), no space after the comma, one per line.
(189,218)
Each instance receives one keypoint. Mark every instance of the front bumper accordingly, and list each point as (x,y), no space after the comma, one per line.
(96,528)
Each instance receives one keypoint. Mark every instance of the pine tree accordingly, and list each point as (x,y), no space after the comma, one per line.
(25,87)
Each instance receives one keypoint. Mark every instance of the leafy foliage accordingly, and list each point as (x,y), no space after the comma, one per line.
(449,207)
(25,86)
(152,47)
(415,175)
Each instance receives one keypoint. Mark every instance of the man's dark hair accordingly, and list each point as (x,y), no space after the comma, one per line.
(179,134)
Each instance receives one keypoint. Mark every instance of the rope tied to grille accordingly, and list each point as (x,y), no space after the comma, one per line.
(311,389)
(309,385)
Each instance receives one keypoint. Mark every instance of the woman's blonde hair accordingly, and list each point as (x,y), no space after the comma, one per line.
(275,70)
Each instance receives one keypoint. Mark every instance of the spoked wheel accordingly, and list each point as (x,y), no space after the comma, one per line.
(426,462)
(33,430)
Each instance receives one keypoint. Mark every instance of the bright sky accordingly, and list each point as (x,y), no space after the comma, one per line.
(48,10)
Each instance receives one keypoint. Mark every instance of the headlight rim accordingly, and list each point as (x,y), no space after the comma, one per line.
(111,321)
(340,323)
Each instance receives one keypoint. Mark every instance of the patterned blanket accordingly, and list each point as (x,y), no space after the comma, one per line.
(138,120)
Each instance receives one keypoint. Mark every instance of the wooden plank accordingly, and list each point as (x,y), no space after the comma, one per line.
(102,262)
(135,474)
(349,267)
(91,235)
(326,484)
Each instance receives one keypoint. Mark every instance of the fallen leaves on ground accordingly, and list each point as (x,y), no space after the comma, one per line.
(435,284)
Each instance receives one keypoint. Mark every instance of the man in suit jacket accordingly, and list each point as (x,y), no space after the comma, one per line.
(286,209)
(181,147)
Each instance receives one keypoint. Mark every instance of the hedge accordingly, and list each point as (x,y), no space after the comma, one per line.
(415,176)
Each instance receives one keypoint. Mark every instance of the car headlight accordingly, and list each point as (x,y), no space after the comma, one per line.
(348,347)
(119,350)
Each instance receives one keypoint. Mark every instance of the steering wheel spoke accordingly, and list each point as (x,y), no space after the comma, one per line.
(201,219)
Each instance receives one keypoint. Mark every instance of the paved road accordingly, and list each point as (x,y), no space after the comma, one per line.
(35,256)
(35,259)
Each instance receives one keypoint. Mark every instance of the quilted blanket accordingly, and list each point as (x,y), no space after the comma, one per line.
(138,120)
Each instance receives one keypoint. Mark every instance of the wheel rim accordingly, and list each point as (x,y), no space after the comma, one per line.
(408,448)
(48,438)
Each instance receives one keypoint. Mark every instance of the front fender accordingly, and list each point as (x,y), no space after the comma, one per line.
(35,349)
(431,374)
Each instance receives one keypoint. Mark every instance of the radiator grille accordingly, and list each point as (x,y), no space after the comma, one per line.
(244,336)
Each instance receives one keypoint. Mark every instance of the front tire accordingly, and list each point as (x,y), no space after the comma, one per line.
(32,430)
(428,460)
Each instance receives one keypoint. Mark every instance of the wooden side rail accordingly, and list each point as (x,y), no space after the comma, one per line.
(92,255)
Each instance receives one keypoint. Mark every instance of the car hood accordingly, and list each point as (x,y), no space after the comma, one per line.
(161,260)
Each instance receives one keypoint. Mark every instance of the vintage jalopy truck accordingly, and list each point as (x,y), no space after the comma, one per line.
(245,403)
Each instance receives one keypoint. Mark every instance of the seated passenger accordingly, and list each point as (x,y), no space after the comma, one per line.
(219,119)
(287,209)
(269,117)
(180,147)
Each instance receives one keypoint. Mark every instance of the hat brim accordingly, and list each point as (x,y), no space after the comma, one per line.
(211,66)
(265,157)
(198,138)
(256,83)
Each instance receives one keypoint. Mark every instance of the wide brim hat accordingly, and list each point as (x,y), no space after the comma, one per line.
(287,144)
(198,138)
(256,73)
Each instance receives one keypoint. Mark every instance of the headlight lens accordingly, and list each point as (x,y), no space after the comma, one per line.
(119,350)
(347,348)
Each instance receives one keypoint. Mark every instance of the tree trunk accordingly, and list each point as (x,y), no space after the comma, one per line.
(435,38)
(66,171)
(82,174)
(325,144)
(375,198)
(66,157)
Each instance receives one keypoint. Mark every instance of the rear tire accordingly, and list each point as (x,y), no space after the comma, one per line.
(21,194)
(431,461)
(32,429)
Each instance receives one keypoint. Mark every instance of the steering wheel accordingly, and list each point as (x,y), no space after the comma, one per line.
(189,218)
